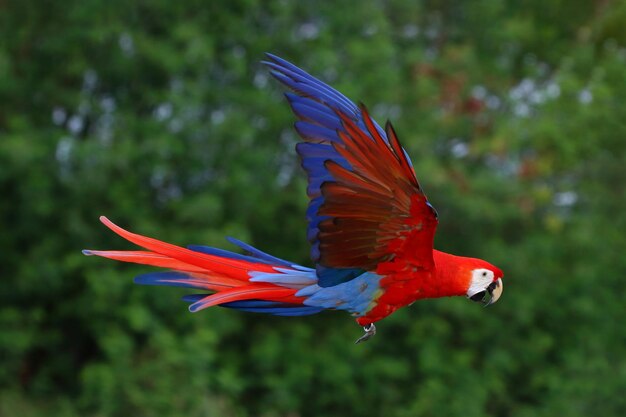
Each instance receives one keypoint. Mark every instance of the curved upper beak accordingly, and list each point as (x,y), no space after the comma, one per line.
(495,291)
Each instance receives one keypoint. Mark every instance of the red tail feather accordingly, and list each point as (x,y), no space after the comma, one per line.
(253,291)
(145,258)
(229,267)
(228,277)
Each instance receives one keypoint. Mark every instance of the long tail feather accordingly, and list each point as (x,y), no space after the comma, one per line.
(145,258)
(233,280)
(249,292)
(181,279)
(230,267)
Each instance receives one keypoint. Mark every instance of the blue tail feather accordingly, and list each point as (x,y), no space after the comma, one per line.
(192,298)
(258,254)
(262,306)
(169,278)
(255,255)
(227,254)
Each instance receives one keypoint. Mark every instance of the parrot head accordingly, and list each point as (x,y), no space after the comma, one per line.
(485,284)
(475,278)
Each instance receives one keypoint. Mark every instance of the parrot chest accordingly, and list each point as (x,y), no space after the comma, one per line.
(399,290)
(402,292)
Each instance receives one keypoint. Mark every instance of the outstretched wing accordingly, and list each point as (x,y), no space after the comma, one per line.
(366,206)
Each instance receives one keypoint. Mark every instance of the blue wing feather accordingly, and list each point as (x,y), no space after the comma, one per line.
(317,105)
(314,112)
(301,82)
(316,133)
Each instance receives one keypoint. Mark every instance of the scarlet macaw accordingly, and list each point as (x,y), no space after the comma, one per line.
(370,226)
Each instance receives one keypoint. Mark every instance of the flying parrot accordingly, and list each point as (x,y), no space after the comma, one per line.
(370,226)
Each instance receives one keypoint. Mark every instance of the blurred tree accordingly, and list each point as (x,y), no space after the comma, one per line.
(160,115)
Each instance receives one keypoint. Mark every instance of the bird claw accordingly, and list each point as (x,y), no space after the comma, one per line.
(370,331)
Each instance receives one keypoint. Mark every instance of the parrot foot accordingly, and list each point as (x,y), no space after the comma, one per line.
(370,331)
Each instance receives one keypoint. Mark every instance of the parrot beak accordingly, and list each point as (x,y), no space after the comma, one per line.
(490,295)
(495,291)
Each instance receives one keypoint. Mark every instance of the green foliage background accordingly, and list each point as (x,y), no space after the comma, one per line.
(159,115)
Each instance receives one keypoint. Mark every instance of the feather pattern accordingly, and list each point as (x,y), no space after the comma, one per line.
(370,226)
(364,197)
(256,282)
(371,205)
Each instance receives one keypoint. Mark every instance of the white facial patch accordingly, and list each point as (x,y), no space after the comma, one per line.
(481,278)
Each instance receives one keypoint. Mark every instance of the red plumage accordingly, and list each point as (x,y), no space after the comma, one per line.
(230,278)
(370,225)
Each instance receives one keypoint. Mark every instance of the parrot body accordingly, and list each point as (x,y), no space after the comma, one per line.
(370,226)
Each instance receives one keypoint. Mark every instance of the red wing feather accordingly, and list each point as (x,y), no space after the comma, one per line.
(376,210)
